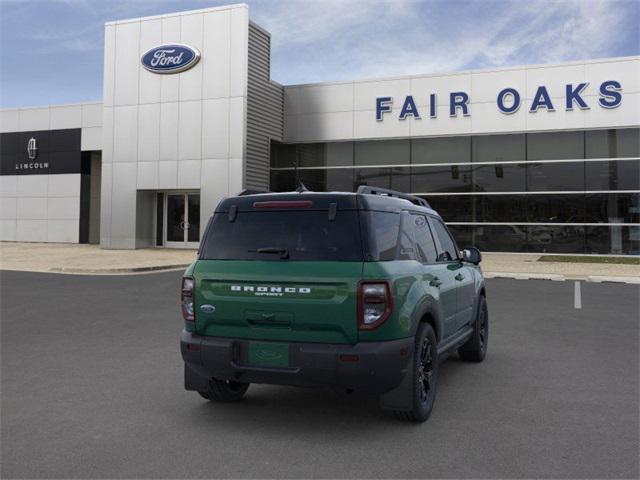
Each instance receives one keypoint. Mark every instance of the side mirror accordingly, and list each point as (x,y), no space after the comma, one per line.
(471,255)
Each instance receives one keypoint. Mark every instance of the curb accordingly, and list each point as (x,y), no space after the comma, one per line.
(562,278)
(154,268)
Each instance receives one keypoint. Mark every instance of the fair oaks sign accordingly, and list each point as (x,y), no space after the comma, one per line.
(508,101)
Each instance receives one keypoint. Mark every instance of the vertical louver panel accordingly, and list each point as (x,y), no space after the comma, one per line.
(265,104)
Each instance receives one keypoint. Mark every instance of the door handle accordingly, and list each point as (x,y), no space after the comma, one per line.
(459,277)
(435,282)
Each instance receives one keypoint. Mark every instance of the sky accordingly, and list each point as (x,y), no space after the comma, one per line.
(51,51)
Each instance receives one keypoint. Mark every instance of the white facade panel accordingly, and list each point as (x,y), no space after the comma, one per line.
(168,175)
(169,131)
(8,208)
(149,83)
(238,61)
(63,231)
(190,130)
(626,72)
(8,230)
(64,185)
(8,185)
(126,63)
(189,174)
(214,186)
(65,116)
(423,86)
(191,34)
(329,98)
(91,138)
(108,79)
(33,119)
(147,176)
(31,230)
(125,134)
(63,208)
(365,93)
(32,185)
(215,128)
(485,86)
(216,63)
(91,115)
(32,208)
(9,120)
(149,132)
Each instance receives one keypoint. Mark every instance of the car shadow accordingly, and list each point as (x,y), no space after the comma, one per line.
(302,410)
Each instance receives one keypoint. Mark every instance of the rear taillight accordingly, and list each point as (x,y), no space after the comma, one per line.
(186,298)
(375,304)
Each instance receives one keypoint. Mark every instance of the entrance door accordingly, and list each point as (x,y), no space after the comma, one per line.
(182,220)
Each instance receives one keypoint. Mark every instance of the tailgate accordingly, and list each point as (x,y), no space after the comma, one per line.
(282,301)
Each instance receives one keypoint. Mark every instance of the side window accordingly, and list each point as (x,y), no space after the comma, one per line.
(406,243)
(449,251)
(384,227)
(424,240)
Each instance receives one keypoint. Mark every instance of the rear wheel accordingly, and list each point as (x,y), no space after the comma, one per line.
(425,375)
(224,391)
(475,349)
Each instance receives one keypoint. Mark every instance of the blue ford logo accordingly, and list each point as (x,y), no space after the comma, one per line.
(172,58)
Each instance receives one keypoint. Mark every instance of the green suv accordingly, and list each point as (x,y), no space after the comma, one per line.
(362,291)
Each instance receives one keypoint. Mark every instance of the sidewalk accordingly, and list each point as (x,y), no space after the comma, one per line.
(91,259)
(527,266)
(73,258)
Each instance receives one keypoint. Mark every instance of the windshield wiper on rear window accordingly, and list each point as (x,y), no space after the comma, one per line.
(283,252)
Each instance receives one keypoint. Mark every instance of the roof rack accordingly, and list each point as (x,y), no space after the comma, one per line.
(252,192)
(392,193)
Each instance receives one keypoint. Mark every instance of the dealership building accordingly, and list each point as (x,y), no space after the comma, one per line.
(541,158)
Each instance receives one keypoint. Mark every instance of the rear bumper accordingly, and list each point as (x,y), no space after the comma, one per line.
(380,366)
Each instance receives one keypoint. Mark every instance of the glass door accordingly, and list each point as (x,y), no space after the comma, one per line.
(182,220)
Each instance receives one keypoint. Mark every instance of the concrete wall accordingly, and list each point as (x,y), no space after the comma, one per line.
(346,110)
(177,131)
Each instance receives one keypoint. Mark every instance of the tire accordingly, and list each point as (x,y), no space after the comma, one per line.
(475,349)
(425,375)
(224,391)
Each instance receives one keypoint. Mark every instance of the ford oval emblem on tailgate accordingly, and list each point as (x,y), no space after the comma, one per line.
(207,308)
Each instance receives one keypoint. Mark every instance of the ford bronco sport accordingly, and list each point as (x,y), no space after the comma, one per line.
(363,291)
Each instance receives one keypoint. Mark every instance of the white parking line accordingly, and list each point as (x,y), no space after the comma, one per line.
(577,295)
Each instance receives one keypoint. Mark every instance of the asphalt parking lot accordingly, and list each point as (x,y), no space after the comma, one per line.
(92,388)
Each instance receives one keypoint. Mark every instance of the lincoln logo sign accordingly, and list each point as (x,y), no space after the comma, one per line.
(508,101)
(172,58)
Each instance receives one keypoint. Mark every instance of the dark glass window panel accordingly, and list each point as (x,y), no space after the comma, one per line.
(453,208)
(499,148)
(314,180)
(440,179)
(555,145)
(338,154)
(556,239)
(613,240)
(447,244)
(499,178)
(175,218)
(463,235)
(612,143)
(306,235)
(283,155)
(384,228)
(441,150)
(282,181)
(310,154)
(424,240)
(382,152)
(613,175)
(612,208)
(396,178)
(500,208)
(543,177)
(555,208)
(339,180)
(193,234)
(500,238)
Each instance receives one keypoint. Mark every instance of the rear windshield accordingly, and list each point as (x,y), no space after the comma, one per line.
(284,235)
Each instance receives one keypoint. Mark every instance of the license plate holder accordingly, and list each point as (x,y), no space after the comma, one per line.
(266,354)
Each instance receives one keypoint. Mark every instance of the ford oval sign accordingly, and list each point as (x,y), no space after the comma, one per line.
(173,58)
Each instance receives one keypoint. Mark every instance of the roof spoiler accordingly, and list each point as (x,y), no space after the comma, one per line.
(251,192)
(367,189)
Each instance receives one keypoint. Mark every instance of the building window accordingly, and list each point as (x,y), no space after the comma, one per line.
(440,150)
(382,152)
(555,145)
(499,148)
